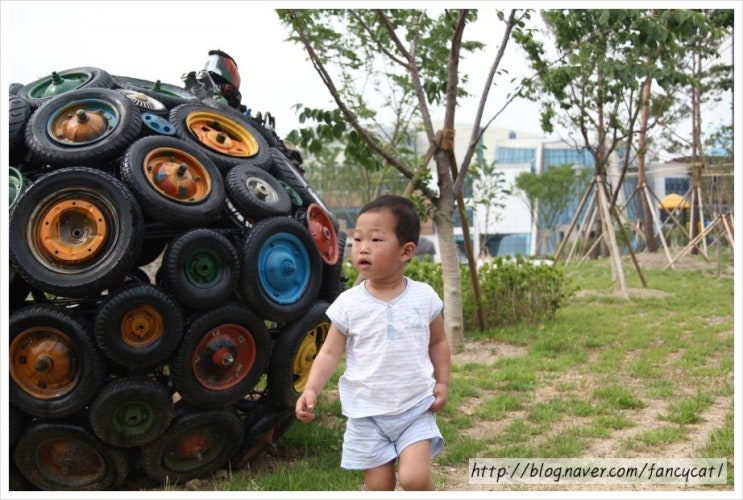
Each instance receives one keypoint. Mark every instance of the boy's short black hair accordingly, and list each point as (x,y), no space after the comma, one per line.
(408,227)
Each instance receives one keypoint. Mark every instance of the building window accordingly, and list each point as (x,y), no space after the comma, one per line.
(508,244)
(467,210)
(677,185)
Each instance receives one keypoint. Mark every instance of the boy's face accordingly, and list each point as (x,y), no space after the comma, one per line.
(376,252)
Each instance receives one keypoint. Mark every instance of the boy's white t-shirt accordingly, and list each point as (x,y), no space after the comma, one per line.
(388,368)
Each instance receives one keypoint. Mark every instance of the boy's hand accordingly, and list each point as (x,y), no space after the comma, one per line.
(305,407)
(439,391)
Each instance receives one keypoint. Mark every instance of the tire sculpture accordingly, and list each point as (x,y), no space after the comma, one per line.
(170,269)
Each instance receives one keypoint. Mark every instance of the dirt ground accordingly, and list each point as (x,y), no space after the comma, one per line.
(457,478)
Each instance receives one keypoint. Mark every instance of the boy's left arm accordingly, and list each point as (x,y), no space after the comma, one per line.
(438,351)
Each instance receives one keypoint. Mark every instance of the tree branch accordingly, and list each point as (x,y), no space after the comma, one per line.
(414,73)
(347,113)
(477,131)
(378,43)
(452,77)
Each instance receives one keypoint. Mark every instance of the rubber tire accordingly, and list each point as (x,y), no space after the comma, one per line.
(204,247)
(333,279)
(110,332)
(30,450)
(268,425)
(186,381)
(170,95)
(152,248)
(252,286)
(287,172)
(109,147)
(88,360)
(131,411)
(149,105)
(268,135)
(281,376)
(123,244)
(178,117)
(14,87)
(284,170)
(97,78)
(18,114)
(18,290)
(16,421)
(247,202)
(161,207)
(222,425)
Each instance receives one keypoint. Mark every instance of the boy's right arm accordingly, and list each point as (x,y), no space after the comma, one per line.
(322,369)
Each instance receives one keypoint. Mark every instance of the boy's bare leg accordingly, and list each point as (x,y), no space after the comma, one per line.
(380,478)
(415,467)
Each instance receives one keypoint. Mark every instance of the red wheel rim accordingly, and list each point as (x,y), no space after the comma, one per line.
(70,461)
(323,233)
(224,357)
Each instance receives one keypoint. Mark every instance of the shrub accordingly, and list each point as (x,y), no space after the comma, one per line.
(512,290)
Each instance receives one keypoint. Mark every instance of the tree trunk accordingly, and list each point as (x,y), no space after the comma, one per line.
(453,316)
(696,154)
(647,215)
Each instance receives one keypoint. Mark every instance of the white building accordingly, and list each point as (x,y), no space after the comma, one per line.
(514,231)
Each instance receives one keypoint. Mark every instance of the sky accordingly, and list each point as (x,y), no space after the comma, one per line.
(162,40)
(155,40)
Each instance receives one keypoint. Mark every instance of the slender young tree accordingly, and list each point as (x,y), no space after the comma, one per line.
(709,77)
(488,191)
(548,194)
(597,77)
(385,70)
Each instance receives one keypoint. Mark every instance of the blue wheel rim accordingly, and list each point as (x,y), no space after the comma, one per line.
(158,124)
(283,268)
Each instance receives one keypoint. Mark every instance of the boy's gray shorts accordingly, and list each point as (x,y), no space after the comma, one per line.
(373,441)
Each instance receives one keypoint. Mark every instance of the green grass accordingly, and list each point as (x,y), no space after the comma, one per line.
(636,375)
(651,439)
(618,397)
(720,444)
(688,410)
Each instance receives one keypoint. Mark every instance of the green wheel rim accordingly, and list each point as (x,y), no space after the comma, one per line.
(203,268)
(57,84)
(133,418)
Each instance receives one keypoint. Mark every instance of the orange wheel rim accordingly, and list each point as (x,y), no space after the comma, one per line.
(43,362)
(72,231)
(221,134)
(77,125)
(177,175)
(141,326)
